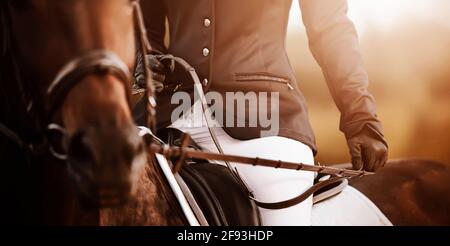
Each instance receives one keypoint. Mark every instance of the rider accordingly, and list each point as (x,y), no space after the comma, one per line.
(239,46)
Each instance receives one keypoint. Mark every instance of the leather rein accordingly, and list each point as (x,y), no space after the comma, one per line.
(183,152)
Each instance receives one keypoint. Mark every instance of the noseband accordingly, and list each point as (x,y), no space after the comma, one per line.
(99,62)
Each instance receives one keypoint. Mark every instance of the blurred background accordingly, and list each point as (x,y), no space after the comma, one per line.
(406,50)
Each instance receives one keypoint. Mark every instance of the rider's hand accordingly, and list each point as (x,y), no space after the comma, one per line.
(368,151)
(158,72)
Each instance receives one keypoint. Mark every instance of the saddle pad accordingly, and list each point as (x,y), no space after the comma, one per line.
(349,208)
(214,190)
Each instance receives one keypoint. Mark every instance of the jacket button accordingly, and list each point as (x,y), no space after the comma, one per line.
(205,82)
(207,22)
(205,52)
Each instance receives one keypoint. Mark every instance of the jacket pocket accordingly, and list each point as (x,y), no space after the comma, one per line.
(268,77)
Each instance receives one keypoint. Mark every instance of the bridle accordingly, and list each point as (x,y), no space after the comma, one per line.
(96,62)
(145,48)
(93,63)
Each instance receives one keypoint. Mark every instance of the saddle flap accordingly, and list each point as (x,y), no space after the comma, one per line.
(222,200)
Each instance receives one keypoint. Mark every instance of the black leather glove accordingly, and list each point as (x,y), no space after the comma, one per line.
(368,149)
(157,68)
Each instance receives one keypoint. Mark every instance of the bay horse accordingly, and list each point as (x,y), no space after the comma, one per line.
(410,192)
(105,166)
(106,179)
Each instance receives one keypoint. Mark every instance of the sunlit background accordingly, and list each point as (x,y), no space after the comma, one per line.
(406,49)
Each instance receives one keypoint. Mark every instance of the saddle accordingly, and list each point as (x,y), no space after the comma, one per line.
(221,200)
(220,197)
(216,193)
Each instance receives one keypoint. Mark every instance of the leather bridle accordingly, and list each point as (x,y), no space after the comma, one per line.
(96,62)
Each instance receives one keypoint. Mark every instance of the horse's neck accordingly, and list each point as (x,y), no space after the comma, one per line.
(15,95)
(13,103)
(154,205)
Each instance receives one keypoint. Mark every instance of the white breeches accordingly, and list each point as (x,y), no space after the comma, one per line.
(267,184)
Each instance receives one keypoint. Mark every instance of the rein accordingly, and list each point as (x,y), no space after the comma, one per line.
(145,48)
(185,152)
(198,87)
(181,153)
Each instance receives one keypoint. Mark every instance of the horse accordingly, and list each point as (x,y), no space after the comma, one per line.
(105,167)
(70,151)
(410,192)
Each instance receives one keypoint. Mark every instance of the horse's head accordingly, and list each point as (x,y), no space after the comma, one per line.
(105,153)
